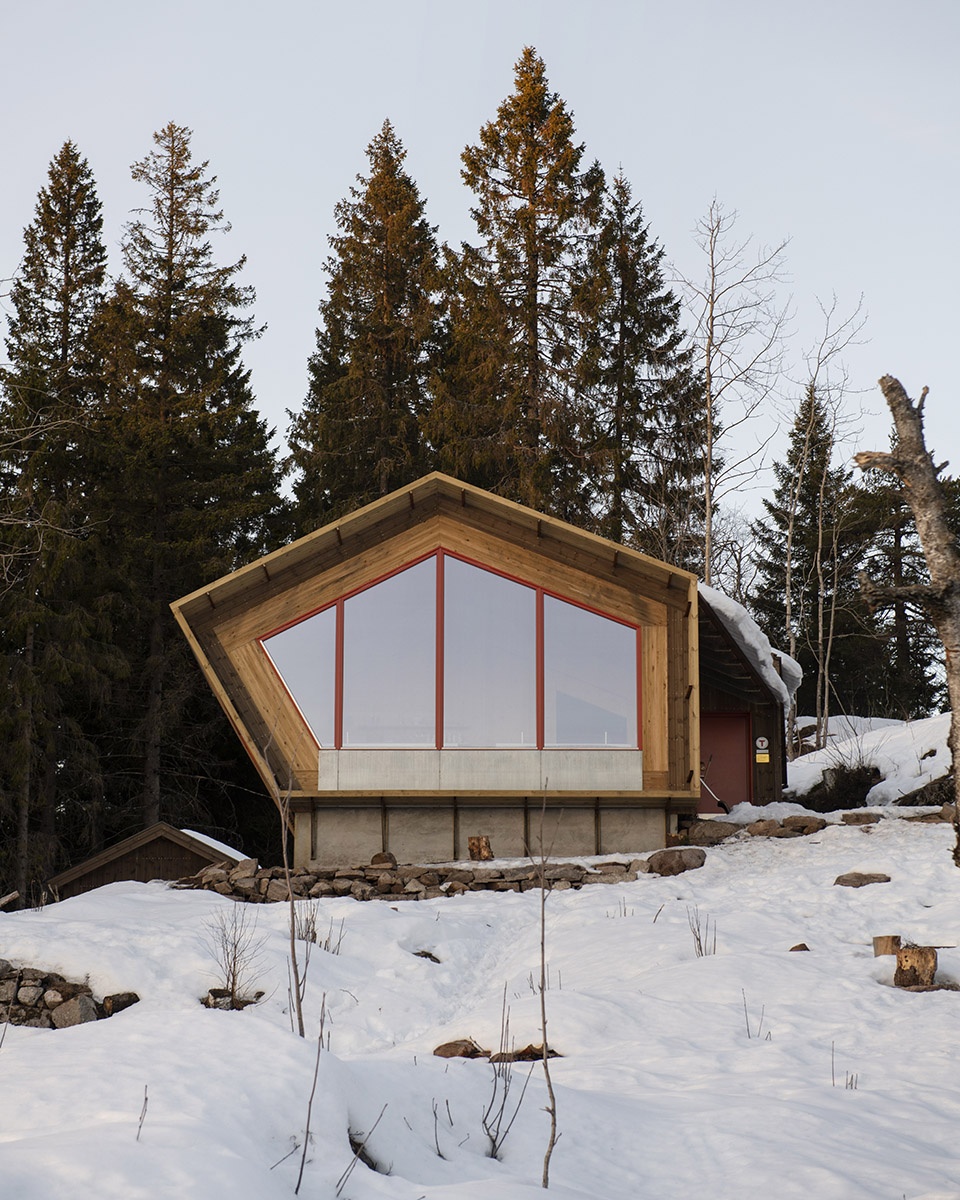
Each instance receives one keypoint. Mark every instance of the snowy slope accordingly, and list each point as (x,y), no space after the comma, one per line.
(661,1092)
(908,754)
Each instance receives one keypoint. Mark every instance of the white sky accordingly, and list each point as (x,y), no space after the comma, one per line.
(833,123)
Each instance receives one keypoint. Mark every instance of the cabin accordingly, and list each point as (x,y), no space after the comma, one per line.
(158,852)
(445,663)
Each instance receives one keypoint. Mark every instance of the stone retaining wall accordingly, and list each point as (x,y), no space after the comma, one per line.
(46,1000)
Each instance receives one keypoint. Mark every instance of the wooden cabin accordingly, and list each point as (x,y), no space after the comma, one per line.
(445,663)
(158,852)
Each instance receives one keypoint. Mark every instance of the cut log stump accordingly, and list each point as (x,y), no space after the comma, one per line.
(887,944)
(479,848)
(916,966)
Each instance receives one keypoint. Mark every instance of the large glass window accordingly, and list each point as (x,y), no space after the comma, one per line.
(389,661)
(305,655)
(485,629)
(589,678)
(489,658)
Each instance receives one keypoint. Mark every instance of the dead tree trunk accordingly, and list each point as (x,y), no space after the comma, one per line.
(912,464)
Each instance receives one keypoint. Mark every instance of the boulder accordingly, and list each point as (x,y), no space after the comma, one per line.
(676,860)
(29,994)
(277,890)
(461,1048)
(244,870)
(804,824)
(860,818)
(857,879)
(764,828)
(710,833)
(118,1002)
(77,1011)
(383,859)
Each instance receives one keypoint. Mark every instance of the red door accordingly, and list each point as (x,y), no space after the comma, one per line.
(725,767)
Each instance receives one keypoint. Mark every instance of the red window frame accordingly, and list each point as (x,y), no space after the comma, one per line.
(439,554)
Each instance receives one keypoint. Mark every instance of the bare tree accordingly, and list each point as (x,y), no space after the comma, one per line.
(912,463)
(739,324)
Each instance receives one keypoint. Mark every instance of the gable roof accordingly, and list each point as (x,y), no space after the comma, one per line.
(137,841)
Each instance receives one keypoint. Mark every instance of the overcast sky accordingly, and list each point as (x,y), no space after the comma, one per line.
(833,123)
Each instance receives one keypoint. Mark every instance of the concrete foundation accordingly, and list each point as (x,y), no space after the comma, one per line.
(437,830)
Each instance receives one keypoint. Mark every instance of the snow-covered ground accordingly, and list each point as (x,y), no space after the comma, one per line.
(754,1072)
(908,754)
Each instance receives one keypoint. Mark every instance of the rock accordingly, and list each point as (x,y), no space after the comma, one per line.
(529,1053)
(710,833)
(245,886)
(639,866)
(383,859)
(29,994)
(804,824)
(462,1048)
(277,890)
(7,970)
(322,888)
(8,989)
(244,870)
(567,871)
(456,888)
(458,875)
(77,1011)
(361,890)
(800,946)
(118,1002)
(213,874)
(677,859)
(764,828)
(859,818)
(857,879)
(414,887)
(947,813)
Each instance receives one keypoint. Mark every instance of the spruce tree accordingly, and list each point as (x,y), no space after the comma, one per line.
(809,549)
(644,397)
(54,662)
(187,482)
(358,434)
(516,333)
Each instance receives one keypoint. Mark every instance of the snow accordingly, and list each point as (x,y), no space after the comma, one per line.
(720,1076)
(756,646)
(908,754)
(219,847)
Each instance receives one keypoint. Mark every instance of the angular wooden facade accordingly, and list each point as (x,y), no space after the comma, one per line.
(421,796)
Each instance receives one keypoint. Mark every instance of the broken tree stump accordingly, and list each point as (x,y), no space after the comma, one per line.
(916,966)
(886,944)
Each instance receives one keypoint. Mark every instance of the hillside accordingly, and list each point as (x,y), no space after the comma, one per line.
(750,1072)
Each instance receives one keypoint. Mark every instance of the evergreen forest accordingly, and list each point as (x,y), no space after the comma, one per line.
(552,359)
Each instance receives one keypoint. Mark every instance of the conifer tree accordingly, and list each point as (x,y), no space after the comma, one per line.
(358,434)
(809,549)
(188,483)
(52,659)
(644,397)
(516,333)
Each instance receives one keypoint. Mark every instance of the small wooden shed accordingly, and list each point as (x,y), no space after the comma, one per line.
(444,663)
(159,852)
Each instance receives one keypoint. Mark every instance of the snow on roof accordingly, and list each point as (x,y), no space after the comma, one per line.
(220,847)
(755,645)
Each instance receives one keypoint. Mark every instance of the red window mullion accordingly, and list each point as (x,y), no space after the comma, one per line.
(540,698)
(338,684)
(439,697)
(639,690)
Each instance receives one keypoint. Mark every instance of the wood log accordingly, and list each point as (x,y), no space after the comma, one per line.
(886,944)
(479,848)
(916,966)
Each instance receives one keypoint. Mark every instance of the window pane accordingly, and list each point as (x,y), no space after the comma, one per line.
(389,661)
(590,678)
(489,659)
(305,657)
